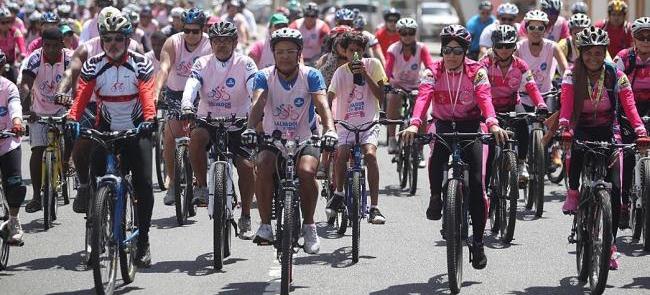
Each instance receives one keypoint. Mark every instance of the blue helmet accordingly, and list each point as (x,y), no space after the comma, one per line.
(50,18)
(194,16)
(344,14)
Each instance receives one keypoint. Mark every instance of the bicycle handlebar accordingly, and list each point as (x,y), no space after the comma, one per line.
(239,122)
(7,134)
(104,138)
(366,126)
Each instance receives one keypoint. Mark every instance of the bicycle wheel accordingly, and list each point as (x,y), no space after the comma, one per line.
(583,255)
(509,196)
(453,228)
(356,213)
(104,252)
(129,221)
(536,183)
(645,200)
(415,166)
(182,184)
(188,206)
(404,165)
(286,256)
(495,196)
(4,231)
(48,191)
(161,174)
(219,213)
(600,227)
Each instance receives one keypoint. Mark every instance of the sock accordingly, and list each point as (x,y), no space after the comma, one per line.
(373,206)
(339,192)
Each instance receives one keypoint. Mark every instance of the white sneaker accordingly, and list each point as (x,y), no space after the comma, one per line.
(312,243)
(15,231)
(264,234)
(170,197)
(200,196)
(245,232)
(523,171)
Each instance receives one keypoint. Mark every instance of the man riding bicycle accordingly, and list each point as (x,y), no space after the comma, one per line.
(313,30)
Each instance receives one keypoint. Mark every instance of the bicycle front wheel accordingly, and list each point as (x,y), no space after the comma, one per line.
(4,232)
(356,214)
(161,174)
(129,220)
(182,184)
(403,165)
(104,252)
(48,191)
(601,240)
(645,200)
(219,214)
(453,233)
(536,186)
(415,166)
(286,256)
(509,196)
(583,253)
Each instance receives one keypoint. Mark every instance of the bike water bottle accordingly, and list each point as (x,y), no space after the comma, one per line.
(358,78)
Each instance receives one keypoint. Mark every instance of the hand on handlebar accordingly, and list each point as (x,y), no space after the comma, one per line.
(146,127)
(408,134)
(542,111)
(329,140)
(63,99)
(566,138)
(72,129)
(643,143)
(500,135)
(249,137)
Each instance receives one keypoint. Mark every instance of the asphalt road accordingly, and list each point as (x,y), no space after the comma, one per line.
(404,256)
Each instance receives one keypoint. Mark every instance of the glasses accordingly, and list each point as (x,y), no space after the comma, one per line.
(223,40)
(117,39)
(455,50)
(286,51)
(280,26)
(407,33)
(642,38)
(540,28)
(551,13)
(504,45)
(192,31)
(507,19)
(5,22)
(391,20)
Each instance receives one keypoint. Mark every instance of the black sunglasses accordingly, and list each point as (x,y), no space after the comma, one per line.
(507,19)
(455,50)
(117,39)
(192,31)
(5,22)
(407,33)
(504,45)
(540,28)
(643,38)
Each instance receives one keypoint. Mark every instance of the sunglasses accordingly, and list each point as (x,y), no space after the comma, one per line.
(455,50)
(407,33)
(504,45)
(117,39)
(540,28)
(391,20)
(5,22)
(643,38)
(192,31)
(507,19)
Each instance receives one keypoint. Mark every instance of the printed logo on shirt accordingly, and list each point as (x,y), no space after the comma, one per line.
(47,87)
(529,76)
(230,82)
(184,68)
(355,94)
(428,78)
(414,67)
(314,36)
(4,111)
(286,112)
(58,77)
(513,83)
(250,66)
(117,87)
(481,77)
(543,66)
(299,102)
(219,93)
(623,82)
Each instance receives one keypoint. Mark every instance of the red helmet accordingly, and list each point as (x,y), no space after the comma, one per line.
(339,30)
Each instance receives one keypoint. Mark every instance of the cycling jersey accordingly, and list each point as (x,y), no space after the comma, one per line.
(10,108)
(289,107)
(405,73)
(124,92)
(154,61)
(505,88)
(542,66)
(619,37)
(261,51)
(183,60)
(89,30)
(639,76)
(225,88)
(463,96)
(558,31)
(46,79)
(8,43)
(386,38)
(312,37)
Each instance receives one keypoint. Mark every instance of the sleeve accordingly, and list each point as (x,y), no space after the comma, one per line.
(619,60)
(85,88)
(390,61)
(528,83)
(31,64)
(145,89)
(13,102)
(334,84)
(255,51)
(377,71)
(260,81)
(194,83)
(483,94)
(422,102)
(486,37)
(316,81)
(626,97)
(565,32)
(251,70)
(566,100)
(20,42)
(425,57)
(35,44)
(324,31)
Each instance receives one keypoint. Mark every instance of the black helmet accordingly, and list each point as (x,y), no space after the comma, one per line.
(392,12)
(222,29)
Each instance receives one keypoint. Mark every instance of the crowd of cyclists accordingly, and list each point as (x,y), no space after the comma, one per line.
(110,65)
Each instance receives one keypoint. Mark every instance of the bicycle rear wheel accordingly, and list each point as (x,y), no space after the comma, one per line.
(403,166)
(583,254)
(129,226)
(557,175)
(356,213)
(219,213)
(453,228)
(600,227)
(161,174)
(509,196)
(288,230)
(415,166)
(645,201)
(536,183)
(104,250)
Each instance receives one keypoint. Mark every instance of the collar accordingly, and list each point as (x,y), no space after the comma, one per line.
(120,61)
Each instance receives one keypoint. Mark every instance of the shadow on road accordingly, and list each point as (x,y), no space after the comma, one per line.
(36,226)
(568,285)
(629,247)
(201,266)
(326,231)
(393,191)
(242,288)
(169,222)
(435,285)
(120,289)
(340,258)
(493,241)
(68,262)
(639,283)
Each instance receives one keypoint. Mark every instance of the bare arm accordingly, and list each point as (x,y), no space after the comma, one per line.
(322,108)
(376,51)
(70,76)
(257,109)
(167,56)
(25,89)
(561,60)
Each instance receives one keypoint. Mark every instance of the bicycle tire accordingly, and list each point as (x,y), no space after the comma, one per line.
(286,258)
(645,195)
(583,256)
(158,154)
(415,166)
(219,213)
(495,194)
(406,166)
(356,213)
(4,233)
(453,228)
(129,225)
(66,188)
(181,184)
(47,191)
(599,268)
(102,231)
(508,200)
(188,206)
(536,185)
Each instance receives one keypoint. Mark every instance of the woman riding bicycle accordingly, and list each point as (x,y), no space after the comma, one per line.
(462,103)
(507,74)
(593,92)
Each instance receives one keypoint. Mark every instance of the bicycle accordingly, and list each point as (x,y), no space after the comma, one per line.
(222,198)
(409,156)
(555,173)
(115,230)
(591,230)
(286,200)
(183,181)
(338,219)
(158,139)
(4,219)
(534,189)
(355,194)
(640,197)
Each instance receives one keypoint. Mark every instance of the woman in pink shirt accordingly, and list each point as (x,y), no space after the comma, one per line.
(10,38)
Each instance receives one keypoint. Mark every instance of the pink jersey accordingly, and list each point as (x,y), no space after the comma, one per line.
(289,111)
(10,41)
(405,73)
(354,103)
(640,76)
(183,60)
(505,87)
(225,88)
(261,51)
(597,113)
(46,78)
(312,38)
(461,96)
(10,108)
(542,66)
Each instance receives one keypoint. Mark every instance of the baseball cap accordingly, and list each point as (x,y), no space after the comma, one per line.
(278,18)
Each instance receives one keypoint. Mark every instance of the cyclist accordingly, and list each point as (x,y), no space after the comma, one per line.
(335,56)
(260,51)
(176,59)
(313,30)
(617,27)
(124,105)
(138,34)
(301,90)
(404,62)
(593,92)
(568,46)
(632,61)
(579,7)
(147,23)
(10,39)
(37,90)
(373,49)
(476,24)
(234,16)
(65,12)
(33,27)
(224,81)
(507,74)
(506,15)
(157,41)
(89,28)
(357,104)
(556,27)
(11,155)
(48,20)
(388,34)
(176,25)
(451,79)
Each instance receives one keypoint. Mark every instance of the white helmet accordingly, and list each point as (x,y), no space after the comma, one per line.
(641,24)
(537,15)
(406,23)
(593,36)
(579,20)
(507,8)
(554,5)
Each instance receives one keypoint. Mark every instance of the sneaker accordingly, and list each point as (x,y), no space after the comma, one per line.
(624,219)
(200,196)
(392,146)
(245,232)
(434,212)
(34,205)
(479,260)
(80,204)
(375,216)
(143,255)
(312,243)
(170,196)
(322,172)
(264,235)
(571,203)
(522,167)
(613,260)
(334,204)
(15,232)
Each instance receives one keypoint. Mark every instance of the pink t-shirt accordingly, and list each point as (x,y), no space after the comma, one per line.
(46,78)
(639,77)
(542,66)
(558,31)
(312,38)
(10,108)
(505,88)
(9,43)
(183,60)
(261,51)
(405,73)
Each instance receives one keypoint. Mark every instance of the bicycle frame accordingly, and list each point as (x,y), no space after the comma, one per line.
(53,146)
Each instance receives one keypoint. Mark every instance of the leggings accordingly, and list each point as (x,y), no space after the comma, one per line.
(135,155)
(12,181)
(472,155)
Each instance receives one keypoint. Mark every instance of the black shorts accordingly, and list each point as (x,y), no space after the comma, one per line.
(306,151)
(235,146)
